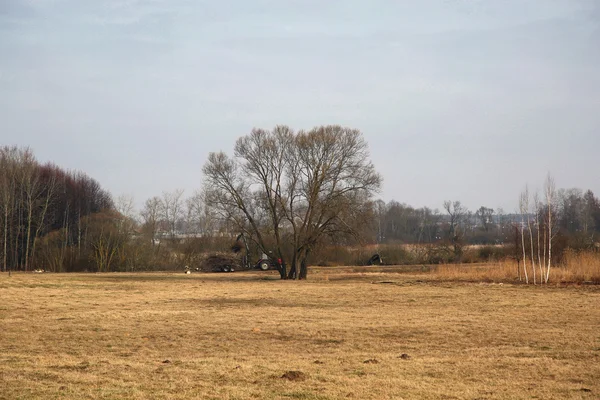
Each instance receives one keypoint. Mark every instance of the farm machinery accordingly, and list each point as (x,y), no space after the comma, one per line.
(239,259)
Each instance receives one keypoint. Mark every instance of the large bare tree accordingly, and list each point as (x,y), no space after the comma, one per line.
(289,190)
(458,216)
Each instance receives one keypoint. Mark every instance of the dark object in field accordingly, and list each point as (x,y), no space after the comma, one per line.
(405,357)
(375,260)
(167,362)
(371,361)
(295,376)
(239,259)
(221,262)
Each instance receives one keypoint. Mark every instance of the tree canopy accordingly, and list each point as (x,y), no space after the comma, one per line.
(291,189)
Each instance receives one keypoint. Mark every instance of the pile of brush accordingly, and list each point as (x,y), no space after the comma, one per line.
(221,262)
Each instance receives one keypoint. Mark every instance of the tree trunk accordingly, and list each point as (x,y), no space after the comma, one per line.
(28,236)
(282,270)
(5,244)
(292,274)
(539,255)
(304,266)
(517,253)
(549,245)
(17,261)
(532,252)
(545,242)
(524,256)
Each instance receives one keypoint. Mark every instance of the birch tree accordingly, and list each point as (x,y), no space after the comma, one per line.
(550,193)
(536,201)
(528,211)
(47,199)
(32,188)
(523,206)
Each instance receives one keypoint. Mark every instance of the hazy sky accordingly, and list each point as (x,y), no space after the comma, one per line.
(459,99)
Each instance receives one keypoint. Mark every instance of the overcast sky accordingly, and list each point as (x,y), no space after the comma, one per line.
(459,99)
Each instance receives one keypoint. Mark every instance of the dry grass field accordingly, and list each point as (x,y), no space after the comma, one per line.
(361,335)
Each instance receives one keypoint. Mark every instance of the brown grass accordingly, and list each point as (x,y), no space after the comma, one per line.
(579,267)
(368,334)
(503,271)
(583,267)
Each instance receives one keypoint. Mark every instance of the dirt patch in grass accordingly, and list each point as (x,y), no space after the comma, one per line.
(295,376)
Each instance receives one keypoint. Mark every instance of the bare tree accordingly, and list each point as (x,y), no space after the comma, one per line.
(106,238)
(550,192)
(297,187)
(458,215)
(31,185)
(526,194)
(48,197)
(536,200)
(380,214)
(523,208)
(151,214)
(172,210)
(485,216)
(199,218)
(8,166)
(590,205)
(125,205)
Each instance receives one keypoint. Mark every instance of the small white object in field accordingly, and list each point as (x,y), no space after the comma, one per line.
(188,272)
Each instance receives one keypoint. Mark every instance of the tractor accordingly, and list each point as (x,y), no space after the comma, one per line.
(239,260)
(264,263)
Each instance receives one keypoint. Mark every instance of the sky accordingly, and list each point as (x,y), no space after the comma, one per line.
(464,100)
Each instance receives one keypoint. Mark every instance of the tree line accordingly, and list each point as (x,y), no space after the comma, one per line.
(297,194)
(45,212)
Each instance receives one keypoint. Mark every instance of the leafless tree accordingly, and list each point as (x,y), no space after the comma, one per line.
(485,216)
(380,214)
(8,165)
(293,187)
(550,192)
(536,201)
(523,208)
(151,214)
(458,216)
(172,210)
(125,205)
(529,228)
(31,186)
(199,219)
(106,238)
(46,201)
